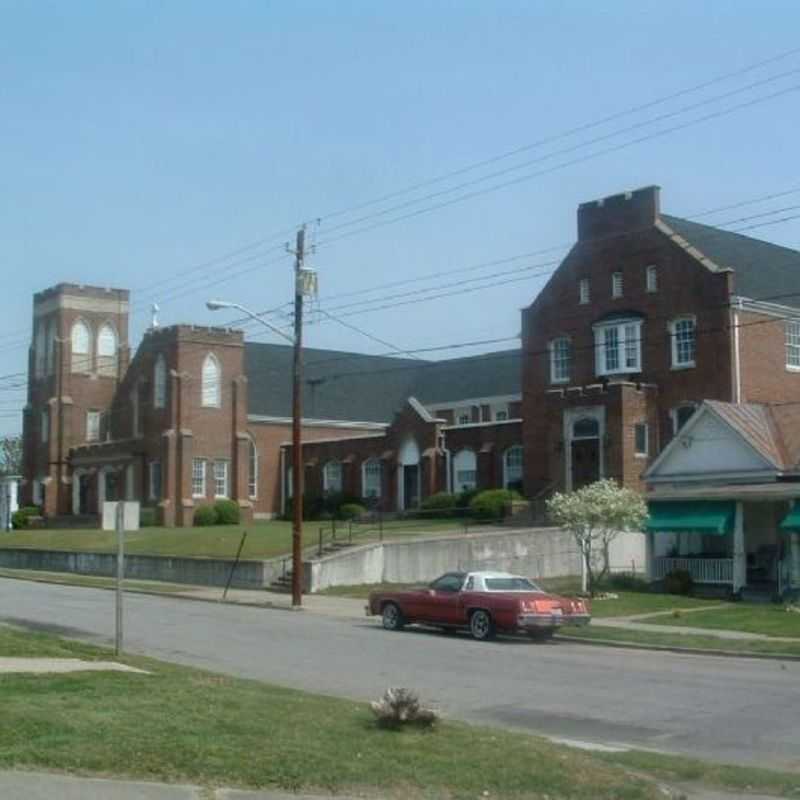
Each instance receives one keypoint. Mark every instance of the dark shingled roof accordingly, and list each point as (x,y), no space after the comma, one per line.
(365,388)
(764,271)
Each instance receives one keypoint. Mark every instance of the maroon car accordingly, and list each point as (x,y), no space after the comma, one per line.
(484,602)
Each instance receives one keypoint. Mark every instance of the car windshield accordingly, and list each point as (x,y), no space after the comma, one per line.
(510,585)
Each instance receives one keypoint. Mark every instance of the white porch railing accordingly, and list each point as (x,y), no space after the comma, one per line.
(702,570)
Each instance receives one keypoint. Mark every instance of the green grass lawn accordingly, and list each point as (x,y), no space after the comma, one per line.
(180,724)
(771,620)
(264,539)
(92,581)
(632,603)
(696,641)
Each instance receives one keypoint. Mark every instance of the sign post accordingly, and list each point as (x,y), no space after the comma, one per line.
(120,526)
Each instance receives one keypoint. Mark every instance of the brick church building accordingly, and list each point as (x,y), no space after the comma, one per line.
(646,317)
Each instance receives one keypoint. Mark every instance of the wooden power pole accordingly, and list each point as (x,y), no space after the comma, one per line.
(297,417)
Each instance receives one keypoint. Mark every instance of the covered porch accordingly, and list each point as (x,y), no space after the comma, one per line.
(745,538)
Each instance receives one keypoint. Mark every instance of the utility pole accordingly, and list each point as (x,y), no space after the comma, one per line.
(297,417)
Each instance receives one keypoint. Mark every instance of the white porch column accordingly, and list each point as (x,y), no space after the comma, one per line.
(649,555)
(739,557)
(794,559)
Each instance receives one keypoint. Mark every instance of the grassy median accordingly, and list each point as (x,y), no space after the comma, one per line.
(180,724)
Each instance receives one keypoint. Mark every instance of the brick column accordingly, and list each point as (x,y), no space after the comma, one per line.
(240,455)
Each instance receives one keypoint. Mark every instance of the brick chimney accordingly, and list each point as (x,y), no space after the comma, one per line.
(619,213)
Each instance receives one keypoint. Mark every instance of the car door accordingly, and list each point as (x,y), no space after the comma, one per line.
(443,604)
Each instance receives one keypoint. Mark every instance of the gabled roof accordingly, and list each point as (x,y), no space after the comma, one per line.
(763,271)
(353,386)
(754,423)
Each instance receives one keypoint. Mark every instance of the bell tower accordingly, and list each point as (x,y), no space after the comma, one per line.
(78,356)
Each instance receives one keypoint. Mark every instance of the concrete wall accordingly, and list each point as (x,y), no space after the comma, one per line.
(538,553)
(199,571)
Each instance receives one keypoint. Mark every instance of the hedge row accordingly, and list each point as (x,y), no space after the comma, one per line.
(223,512)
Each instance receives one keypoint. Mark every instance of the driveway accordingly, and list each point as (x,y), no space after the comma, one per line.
(735,710)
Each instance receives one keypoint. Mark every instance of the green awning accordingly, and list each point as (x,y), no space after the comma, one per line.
(691,516)
(791,522)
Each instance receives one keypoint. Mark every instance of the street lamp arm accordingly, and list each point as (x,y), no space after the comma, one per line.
(216,305)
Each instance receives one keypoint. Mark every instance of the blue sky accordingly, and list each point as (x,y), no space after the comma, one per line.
(139,140)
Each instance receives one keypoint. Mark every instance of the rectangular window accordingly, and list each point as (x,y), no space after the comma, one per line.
(372,478)
(332,477)
(683,342)
(198,477)
(221,479)
(45,424)
(560,360)
(583,291)
(501,416)
(616,284)
(652,279)
(618,347)
(92,426)
(463,416)
(793,344)
(640,436)
(155,480)
(466,479)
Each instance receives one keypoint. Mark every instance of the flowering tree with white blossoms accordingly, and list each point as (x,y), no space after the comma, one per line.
(596,515)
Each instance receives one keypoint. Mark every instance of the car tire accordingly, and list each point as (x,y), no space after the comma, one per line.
(392,617)
(481,625)
(542,635)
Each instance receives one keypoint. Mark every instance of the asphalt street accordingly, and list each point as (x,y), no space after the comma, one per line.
(735,710)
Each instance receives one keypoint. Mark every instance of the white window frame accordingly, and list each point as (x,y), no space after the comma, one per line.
(560,365)
(465,479)
(584,291)
(617,285)
(332,477)
(463,415)
(221,479)
(628,333)
(641,453)
(252,470)
(211,384)
(160,382)
(81,347)
(154,492)
(792,334)
(372,478)
(651,279)
(107,361)
(199,485)
(93,425)
(674,344)
(513,472)
(674,415)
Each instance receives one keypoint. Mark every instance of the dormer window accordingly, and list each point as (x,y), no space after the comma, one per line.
(618,346)
(616,284)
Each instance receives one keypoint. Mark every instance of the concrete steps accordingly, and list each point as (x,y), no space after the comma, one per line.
(283,583)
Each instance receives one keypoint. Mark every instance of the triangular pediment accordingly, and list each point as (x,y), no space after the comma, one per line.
(709,446)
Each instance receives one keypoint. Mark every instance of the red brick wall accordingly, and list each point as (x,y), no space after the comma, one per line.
(762,347)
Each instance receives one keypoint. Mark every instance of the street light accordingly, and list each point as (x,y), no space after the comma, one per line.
(297,461)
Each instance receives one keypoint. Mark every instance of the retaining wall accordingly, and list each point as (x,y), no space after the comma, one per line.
(536,552)
(199,571)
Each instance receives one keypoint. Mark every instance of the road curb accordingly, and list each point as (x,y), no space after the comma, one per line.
(664,648)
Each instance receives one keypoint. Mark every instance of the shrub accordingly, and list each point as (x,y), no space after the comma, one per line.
(228,512)
(205,515)
(148,518)
(464,499)
(351,510)
(398,707)
(20,519)
(441,504)
(491,503)
(627,582)
(679,581)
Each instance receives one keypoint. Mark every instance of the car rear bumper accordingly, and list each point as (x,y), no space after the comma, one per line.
(538,621)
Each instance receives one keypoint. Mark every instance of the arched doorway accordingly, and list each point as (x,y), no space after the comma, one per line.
(408,475)
(584,454)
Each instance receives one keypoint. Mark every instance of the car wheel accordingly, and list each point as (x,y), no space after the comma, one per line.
(542,635)
(481,625)
(392,617)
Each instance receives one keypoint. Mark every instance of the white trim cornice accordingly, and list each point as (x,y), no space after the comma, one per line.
(262,419)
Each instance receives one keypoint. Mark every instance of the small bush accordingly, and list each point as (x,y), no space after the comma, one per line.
(351,511)
(492,503)
(441,504)
(20,519)
(627,582)
(204,516)
(466,497)
(148,518)
(398,707)
(679,581)
(228,512)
